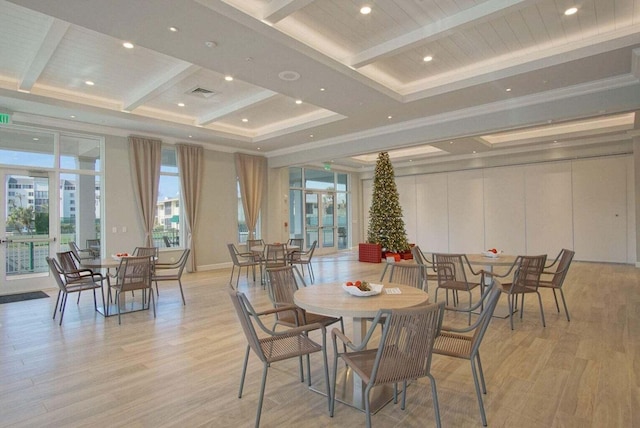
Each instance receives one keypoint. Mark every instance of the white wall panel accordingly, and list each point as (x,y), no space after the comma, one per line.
(432,213)
(600,209)
(504,210)
(407,197)
(466,212)
(549,209)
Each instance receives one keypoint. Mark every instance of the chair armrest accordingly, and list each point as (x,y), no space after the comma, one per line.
(167,266)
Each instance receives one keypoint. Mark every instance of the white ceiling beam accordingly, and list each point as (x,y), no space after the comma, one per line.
(159,85)
(55,33)
(251,101)
(277,10)
(438,30)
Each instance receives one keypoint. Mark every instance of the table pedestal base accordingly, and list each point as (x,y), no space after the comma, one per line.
(352,394)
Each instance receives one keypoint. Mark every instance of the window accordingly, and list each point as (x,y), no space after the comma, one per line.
(168,214)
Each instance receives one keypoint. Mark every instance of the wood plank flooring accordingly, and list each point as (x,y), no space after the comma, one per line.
(182,369)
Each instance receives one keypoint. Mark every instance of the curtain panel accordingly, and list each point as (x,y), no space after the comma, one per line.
(190,165)
(145,156)
(252,176)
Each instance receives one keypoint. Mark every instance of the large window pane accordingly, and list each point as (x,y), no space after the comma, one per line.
(296,216)
(81,153)
(243,230)
(319,179)
(79,208)
(166,230)
(26,148)
(295,177)
(342,182)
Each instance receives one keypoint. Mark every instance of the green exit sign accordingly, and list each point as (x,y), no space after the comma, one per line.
(5,118)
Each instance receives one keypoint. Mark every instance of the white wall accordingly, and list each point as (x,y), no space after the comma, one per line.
(526,209)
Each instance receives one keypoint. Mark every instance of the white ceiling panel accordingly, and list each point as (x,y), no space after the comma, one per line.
(362,78)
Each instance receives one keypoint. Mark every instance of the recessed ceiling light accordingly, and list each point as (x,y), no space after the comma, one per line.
(508,89)
(89,83)
(245,120)
(298,101)
(389,117)
(427,58)
(228,78)
(410,160)
(474,152)
(571,11)
(73,116)
(190,136)
(128,45)
(258,148)
(450,142)
(36,139)
(173,29)
(180,104)
(365,10)
(322,89)
(310,135)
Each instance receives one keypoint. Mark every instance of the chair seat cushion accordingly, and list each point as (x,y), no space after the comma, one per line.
(459,285)
(276,348)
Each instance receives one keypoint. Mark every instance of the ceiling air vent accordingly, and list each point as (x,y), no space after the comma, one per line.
(201,92)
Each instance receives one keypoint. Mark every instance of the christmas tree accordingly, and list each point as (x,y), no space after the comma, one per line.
(386,226)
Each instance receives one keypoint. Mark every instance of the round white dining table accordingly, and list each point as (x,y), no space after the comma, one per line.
(332,300)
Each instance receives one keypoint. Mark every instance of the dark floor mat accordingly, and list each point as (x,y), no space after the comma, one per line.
(10,298)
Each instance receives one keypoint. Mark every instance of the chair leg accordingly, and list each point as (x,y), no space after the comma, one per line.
(153,300)
(510,301)
(262,385)
(367,405)
(181,292)
(244,371)
(541,308)
(326,377)
(63,304)
(478,393)
(332,402)
(311,274)
(470,307)
(118,306)
(436,405)
(403,405)
(556,299)
(78,301)
(57,303)
(481,373)
(564,302)
(233,268)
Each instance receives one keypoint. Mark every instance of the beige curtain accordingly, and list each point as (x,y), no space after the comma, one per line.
(252,175)
(145,156)
(190,164)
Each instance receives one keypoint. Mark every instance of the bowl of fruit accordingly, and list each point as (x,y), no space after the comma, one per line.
(119,256)
(492,253)
(362,288)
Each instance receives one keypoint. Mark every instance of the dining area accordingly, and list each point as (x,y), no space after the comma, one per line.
(571,373)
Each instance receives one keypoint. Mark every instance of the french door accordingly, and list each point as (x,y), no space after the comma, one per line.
(320,221)
(27,238)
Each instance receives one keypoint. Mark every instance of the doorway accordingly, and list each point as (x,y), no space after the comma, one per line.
(25,240)
(320,221)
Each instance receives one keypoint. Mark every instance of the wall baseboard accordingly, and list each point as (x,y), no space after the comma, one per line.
(216,266)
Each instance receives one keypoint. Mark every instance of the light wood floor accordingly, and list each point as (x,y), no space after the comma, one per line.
(182,369)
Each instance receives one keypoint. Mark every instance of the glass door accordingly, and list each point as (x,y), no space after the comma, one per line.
(320,221)
(25,239)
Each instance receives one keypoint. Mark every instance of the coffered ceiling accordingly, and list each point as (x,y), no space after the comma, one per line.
(315,81)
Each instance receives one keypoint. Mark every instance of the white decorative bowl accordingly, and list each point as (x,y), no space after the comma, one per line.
(355,291)
(491,254)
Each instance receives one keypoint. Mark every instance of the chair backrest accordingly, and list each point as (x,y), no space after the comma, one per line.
(282,285)
(182,261)
(134,272)
(69,263)
(245,311)
(56,271)
(298,242)
(73,247)
(276,253)
(406,274)
(309,253)
(145,251)
(528,271)
(417,255)
(94,246)
(450,268)
(406,344)
(233,252)
(565,258)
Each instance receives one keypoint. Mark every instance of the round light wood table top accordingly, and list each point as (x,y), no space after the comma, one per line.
(501,260)
(330,299)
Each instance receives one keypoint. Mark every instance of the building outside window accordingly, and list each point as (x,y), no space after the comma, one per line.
(167,230)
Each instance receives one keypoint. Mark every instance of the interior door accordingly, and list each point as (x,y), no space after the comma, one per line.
(320,221)
(25,240)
